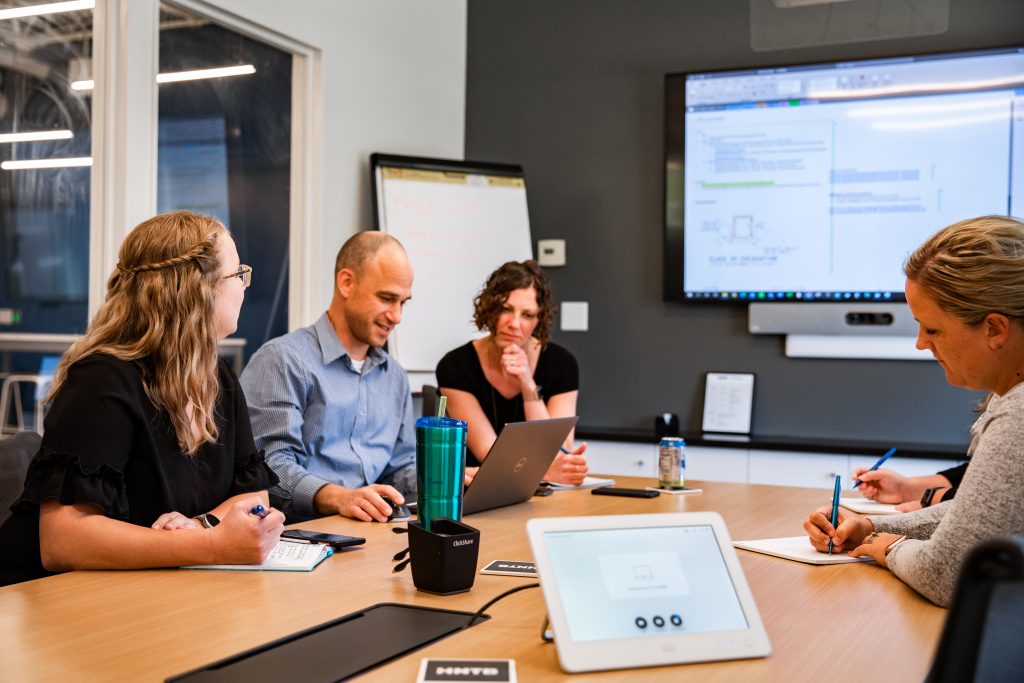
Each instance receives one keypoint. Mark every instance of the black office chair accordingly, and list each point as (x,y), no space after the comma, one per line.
(15,453)
(430,398)
(981,638)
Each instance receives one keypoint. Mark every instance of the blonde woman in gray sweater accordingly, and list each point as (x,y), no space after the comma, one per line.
(965,287)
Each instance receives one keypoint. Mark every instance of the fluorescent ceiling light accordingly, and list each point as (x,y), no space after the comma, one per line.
(179,76)
(25,164)
(200,74)
(40,135)
(49,8)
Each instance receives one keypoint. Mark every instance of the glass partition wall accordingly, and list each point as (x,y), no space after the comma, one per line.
(224,148)
(45,161)
(223,145)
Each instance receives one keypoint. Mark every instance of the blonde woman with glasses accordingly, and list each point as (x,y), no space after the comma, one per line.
(148,457)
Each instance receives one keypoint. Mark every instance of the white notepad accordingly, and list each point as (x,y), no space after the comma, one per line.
(588,483)
(287,556)
(866,506)
(797,548)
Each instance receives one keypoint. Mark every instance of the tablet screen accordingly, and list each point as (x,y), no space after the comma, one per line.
(622,583)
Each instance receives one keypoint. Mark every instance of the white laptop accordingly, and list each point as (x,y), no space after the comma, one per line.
(627,591)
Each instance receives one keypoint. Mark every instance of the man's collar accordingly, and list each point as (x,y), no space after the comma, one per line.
(331,348)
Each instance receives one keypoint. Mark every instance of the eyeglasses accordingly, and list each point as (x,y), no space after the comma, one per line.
(244,273)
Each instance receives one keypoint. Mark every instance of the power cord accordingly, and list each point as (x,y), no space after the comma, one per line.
(545,633)
(480,612)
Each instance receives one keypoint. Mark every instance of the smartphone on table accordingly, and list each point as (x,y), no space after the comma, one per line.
(335,541)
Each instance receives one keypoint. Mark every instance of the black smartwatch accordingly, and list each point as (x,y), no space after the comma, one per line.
(929,494)
(208,520)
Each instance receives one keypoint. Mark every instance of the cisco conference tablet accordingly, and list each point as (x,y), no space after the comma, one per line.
(627,591)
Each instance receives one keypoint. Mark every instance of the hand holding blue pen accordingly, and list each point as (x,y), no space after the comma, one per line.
(881,461)
(259,511)
(835,508)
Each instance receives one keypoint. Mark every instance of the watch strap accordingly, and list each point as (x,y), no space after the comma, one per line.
(929,494)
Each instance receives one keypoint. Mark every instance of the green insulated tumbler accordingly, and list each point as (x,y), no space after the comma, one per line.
(440,468)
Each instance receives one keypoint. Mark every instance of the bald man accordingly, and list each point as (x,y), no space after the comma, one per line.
(330,408)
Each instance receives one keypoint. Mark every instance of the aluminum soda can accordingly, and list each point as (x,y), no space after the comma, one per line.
(672,463)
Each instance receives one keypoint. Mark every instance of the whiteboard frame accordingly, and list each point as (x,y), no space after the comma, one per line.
(419,375)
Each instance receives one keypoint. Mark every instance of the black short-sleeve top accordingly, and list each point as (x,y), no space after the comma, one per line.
(105,443)
(556,373)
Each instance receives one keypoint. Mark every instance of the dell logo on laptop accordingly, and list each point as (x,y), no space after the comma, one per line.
(519,466)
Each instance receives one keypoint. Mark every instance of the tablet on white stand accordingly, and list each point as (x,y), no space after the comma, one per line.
(627,591)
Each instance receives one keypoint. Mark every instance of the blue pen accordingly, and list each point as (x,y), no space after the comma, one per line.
(835,509)
(259,511)
(881,461)
(565,450)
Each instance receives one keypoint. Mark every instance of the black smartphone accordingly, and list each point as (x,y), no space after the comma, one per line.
(628,493)
(333,540)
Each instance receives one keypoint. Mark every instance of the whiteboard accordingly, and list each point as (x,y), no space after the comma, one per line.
(458,221)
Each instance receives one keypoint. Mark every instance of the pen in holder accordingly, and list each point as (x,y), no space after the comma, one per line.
(443,559)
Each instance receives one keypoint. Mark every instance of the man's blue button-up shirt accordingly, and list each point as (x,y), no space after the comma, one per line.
(320,421)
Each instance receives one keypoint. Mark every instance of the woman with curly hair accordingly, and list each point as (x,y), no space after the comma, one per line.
(515,373)
(147,458)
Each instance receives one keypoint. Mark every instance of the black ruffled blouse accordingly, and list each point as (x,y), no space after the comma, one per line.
(105,443)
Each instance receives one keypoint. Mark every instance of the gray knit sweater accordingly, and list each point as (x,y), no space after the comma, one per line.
(988,504)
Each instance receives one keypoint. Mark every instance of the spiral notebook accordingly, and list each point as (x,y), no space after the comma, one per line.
(287,556)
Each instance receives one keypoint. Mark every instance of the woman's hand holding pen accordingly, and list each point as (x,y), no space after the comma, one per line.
(244,538)
(850,532)
(884,485)
(569,467)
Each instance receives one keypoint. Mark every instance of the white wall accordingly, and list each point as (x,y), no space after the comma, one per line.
(394,80)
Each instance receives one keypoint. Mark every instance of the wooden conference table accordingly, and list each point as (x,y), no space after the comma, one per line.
(838,623)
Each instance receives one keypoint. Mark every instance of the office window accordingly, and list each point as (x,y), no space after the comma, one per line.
(44,212)
(224,148)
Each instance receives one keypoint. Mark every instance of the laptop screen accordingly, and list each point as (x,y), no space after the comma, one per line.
(654,581)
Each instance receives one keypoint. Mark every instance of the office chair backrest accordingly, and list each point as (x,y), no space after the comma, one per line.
(15,454)
(430,397)
(981,640)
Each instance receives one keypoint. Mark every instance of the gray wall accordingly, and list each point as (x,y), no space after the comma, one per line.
(573,90)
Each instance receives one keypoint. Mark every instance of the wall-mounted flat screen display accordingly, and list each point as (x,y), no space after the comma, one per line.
(814,182)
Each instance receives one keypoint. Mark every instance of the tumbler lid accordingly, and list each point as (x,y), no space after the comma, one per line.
(434,422)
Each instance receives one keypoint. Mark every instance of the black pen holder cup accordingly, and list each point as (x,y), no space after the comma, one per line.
(444,558)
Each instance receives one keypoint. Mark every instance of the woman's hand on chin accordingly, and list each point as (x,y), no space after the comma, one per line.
(515,363)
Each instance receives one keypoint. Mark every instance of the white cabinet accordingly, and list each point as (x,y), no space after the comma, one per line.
(791,468)
(618,457)
(708,463)
(754,466)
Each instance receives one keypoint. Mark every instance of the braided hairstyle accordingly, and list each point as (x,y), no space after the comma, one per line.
(160,307)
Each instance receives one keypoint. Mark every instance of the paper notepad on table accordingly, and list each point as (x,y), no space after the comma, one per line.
(588,483)
(797,548)
(866,506)
(285,557)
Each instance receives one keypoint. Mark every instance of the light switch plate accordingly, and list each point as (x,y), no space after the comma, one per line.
(575,316)
(551,252)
